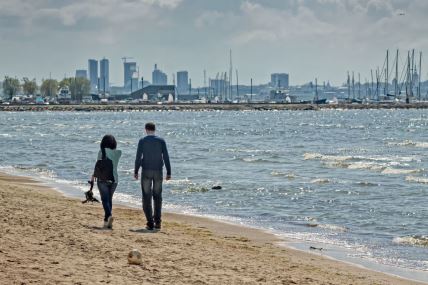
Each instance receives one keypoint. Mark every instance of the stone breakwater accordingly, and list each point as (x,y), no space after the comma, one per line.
(207,107)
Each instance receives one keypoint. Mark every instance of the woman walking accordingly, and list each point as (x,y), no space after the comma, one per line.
(108,186)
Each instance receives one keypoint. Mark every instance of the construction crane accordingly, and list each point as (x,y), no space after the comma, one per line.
(125,58)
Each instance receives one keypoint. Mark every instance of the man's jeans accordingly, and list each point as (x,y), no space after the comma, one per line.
(106,192)
(151,185)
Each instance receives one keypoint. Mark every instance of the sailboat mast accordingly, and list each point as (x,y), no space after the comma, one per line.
(237,88)
(316,90)
(412,74)
(348,81)
(359,86)
(230,75)
(251,91)
(387,72)
(408,79)
(205,83)
(377,82)
(372,87)
(396,75)
(353,86)
(420,75)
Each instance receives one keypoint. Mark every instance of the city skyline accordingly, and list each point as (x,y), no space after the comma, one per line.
(307,39)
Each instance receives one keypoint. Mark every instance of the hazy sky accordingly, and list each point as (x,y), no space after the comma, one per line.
(306,38)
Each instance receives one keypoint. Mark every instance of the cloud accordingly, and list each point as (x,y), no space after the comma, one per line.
(71,13)
(274,34)
(208,19)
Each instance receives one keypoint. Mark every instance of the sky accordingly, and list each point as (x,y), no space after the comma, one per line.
(305,38)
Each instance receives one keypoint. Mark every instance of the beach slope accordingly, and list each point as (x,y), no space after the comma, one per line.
(46,238)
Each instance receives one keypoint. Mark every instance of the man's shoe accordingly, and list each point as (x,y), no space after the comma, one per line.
(149,226)
(110,222)
(105,225)
(157,226)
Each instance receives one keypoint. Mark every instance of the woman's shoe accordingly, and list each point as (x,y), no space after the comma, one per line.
(110,222)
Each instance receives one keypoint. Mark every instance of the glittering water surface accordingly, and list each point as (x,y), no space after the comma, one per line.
(357,179)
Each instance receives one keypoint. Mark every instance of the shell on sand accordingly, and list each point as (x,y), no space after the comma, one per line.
(135,257)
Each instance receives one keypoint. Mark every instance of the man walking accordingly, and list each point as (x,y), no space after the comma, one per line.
(152,154)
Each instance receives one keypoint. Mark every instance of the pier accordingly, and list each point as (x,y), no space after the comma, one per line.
(209,107)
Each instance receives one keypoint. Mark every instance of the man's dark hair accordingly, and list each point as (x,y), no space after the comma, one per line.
(150,127)
(108,141)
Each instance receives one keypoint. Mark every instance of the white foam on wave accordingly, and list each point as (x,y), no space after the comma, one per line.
(390,170)
(369,165)
(247,150)
(331,227)
(412,240)
(288,175)
(314,155)
(383,164)
(397,160)
(416,179)
(320,181)
(176,182)
(6,135)
(410,143)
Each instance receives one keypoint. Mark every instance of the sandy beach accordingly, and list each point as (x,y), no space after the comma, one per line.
(49,239)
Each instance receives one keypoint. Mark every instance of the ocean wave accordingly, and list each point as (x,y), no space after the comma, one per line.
(366,184)
(410,143)
(383,164)
(6,135)
(330,227)
(422,180)
(289,175)
(256,160)
(367,165)
(390,170)
(320,181)
(177,182)
(195,189)
(40,171)
(319,156)
(246,150)
(395,160)
(412,240)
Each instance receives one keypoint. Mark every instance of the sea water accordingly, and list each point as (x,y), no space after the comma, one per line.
(350,179)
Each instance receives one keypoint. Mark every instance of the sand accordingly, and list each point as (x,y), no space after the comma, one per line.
(46,238)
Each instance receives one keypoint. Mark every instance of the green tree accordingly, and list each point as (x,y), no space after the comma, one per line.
(49,87)
(29,86)
(66,82)
(79,88)
(10,87)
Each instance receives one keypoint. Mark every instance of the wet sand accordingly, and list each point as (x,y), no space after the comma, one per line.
(46,238)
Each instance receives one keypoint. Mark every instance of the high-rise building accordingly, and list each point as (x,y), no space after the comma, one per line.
(279,80)
(158,77)
(104,75)
(182,82)
(93,74)
(130,78)
(82,73)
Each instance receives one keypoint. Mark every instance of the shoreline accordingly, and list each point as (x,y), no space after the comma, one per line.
(209,107)
(236,235)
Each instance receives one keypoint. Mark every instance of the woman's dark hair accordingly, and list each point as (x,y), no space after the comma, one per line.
(150,127)
(108,141)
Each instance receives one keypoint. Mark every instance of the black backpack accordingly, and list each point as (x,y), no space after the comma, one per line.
(104,168)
